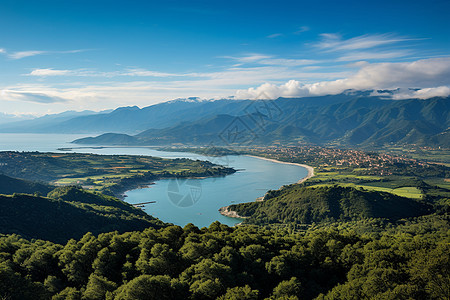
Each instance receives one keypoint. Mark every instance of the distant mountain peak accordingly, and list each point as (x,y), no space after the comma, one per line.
(190,100)
(130,108)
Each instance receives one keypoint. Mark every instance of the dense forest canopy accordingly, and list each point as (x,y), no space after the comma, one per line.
(230,263)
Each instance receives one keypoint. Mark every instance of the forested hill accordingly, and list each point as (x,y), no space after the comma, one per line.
(219,262)
(9,185)
(67,213)
(341,119)
(307,205)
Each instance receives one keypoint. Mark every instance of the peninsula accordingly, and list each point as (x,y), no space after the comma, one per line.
(108,174)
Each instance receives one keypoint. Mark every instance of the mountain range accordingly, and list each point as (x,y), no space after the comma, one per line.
(351,118)
(45,124)
(341,119)
(8,118)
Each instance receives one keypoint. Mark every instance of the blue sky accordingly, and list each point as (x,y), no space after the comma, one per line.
(77,54)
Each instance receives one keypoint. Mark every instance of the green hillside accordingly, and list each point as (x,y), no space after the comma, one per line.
(9,185)
(307,205)
(67,213)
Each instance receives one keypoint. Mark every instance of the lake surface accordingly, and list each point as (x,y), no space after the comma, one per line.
(181,201)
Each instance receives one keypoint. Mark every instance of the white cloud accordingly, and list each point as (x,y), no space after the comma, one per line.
(247,76)
(431,76)
(232,76)
(292,88)
(302,29)
(250,58)
(2,50)
(420,73)
(92,73)
(263,59)
(355,56)
(334,42)
(23,54)
(275,35)
(112,94)
(426,93)
(50,72)
(287,62)
(98,96)
(147,73)
(29,96)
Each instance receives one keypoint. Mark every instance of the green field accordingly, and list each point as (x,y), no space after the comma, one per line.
(434,155)
(325,176)
(398,185)
(440,182)
(408,192)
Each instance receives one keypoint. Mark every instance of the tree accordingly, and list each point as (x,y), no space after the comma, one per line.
(97,287)
(206,288)
(53,284)
(241,293)
(432,269)
(68,293)
(148,287)
(288,289)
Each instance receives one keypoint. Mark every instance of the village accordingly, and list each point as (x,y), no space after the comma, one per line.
(362,162)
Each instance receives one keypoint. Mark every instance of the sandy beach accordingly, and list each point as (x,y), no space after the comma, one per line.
(309,168)
(225,211)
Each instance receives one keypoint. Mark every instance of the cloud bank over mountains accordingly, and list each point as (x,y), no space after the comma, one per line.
(328,64)
(421,79)
(427,77)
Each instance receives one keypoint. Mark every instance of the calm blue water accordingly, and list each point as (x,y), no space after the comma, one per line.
(181,201)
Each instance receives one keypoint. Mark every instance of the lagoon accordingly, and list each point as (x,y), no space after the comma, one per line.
(180,201)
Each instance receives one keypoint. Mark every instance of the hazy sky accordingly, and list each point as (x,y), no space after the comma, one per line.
(78,54)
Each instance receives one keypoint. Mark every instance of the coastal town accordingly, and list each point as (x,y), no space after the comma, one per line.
(358,161)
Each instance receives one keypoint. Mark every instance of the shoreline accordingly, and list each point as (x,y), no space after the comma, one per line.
(225,211)
(308,168)
(121,190)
